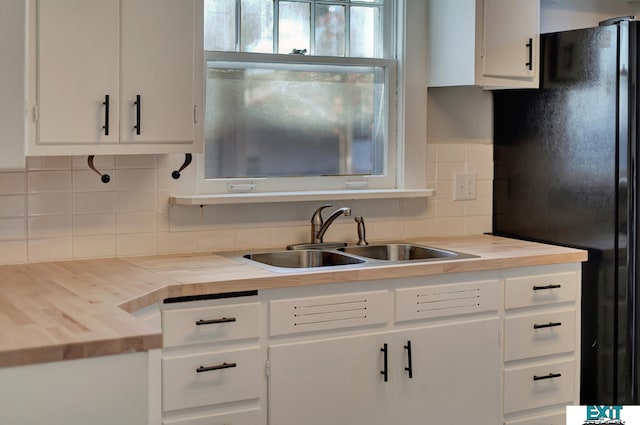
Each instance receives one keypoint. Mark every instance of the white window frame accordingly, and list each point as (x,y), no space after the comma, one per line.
(393,178)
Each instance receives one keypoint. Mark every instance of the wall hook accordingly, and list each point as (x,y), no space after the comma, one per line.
(104,177)
(187,160)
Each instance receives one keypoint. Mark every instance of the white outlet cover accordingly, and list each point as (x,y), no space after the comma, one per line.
(464,186)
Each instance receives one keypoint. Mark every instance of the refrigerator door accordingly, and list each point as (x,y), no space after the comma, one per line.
(560,177)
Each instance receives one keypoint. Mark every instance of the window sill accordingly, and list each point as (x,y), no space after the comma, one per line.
(275,197)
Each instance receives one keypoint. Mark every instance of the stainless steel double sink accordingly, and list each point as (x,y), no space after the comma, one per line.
(353,256)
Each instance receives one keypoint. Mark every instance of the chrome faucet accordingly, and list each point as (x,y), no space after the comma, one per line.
(319,226)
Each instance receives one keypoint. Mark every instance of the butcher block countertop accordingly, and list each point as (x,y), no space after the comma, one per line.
(78,309)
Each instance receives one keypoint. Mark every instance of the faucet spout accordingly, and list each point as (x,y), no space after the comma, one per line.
(319,226)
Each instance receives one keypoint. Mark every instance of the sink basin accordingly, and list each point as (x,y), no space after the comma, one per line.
(303,258)
(401,252)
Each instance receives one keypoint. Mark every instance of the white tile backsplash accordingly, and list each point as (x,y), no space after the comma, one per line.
(59,209)
(49,181)
(12,229)
(12,206)
(13,183)
(93,202)
(49,203)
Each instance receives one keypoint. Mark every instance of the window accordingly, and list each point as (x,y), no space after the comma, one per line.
(300,95)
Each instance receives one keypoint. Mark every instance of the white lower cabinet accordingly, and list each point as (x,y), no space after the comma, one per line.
(401,376)
(330,381)
(489,348)
(541,349)
(407,377)
(451,366)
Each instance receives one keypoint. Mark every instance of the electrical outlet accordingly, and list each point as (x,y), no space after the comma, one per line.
(464,186)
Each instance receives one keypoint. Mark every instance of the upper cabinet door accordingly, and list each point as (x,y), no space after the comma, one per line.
(510,38)
(77,68)
(158,63)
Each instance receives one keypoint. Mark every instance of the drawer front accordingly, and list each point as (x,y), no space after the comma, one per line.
(224,376)
(210,324)
(538,290)
(540,334)
(537,386)
(446,300)
(243,417)
(559,418)
(328,312)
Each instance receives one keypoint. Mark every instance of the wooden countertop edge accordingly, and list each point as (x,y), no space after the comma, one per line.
(293,279)
(141,337)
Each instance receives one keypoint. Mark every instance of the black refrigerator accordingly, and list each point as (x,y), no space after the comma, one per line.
(565,172)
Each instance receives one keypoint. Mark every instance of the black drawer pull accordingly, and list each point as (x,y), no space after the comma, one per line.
(539,288)
(215,367)
(549,376)
(529,47)
(547,325)
(214,321)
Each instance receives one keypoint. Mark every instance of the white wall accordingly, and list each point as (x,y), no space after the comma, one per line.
(12,60)
(560,15)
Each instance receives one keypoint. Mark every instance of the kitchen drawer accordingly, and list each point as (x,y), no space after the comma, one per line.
(542,289)
(328,312)
(446,300)
(541,385)
(540,334)
(558,418)
(234,375)
(197,325)
(242,417)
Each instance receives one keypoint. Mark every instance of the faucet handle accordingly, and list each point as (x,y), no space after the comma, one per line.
(316,218)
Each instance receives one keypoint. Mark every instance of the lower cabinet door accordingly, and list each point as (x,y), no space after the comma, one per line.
(336,381)
(242,417)
(210,378)
(448,374)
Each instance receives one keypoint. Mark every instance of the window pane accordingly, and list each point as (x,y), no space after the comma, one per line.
(220,25)
(257,26)
(306,120)
(330,30)
(294,27)
(365,37)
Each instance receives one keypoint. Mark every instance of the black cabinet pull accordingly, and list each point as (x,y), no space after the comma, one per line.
(547,325)
(215,367)
(409,367)
(214,321)
(539,288)
(529,64)
(106,115)
(385,369)
(549,376)
(138,104)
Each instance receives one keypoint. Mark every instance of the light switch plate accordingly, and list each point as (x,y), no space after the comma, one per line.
(464,186)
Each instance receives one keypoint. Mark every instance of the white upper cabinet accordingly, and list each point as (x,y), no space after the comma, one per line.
(115,77)
(490,43)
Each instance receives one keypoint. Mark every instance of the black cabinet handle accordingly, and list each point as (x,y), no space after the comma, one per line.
(547,325)
(106,115)
(385,370)
(549,376)
(529,45)
(540,288)
(214,321)
(138,104)
(215,367)
(409,367)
